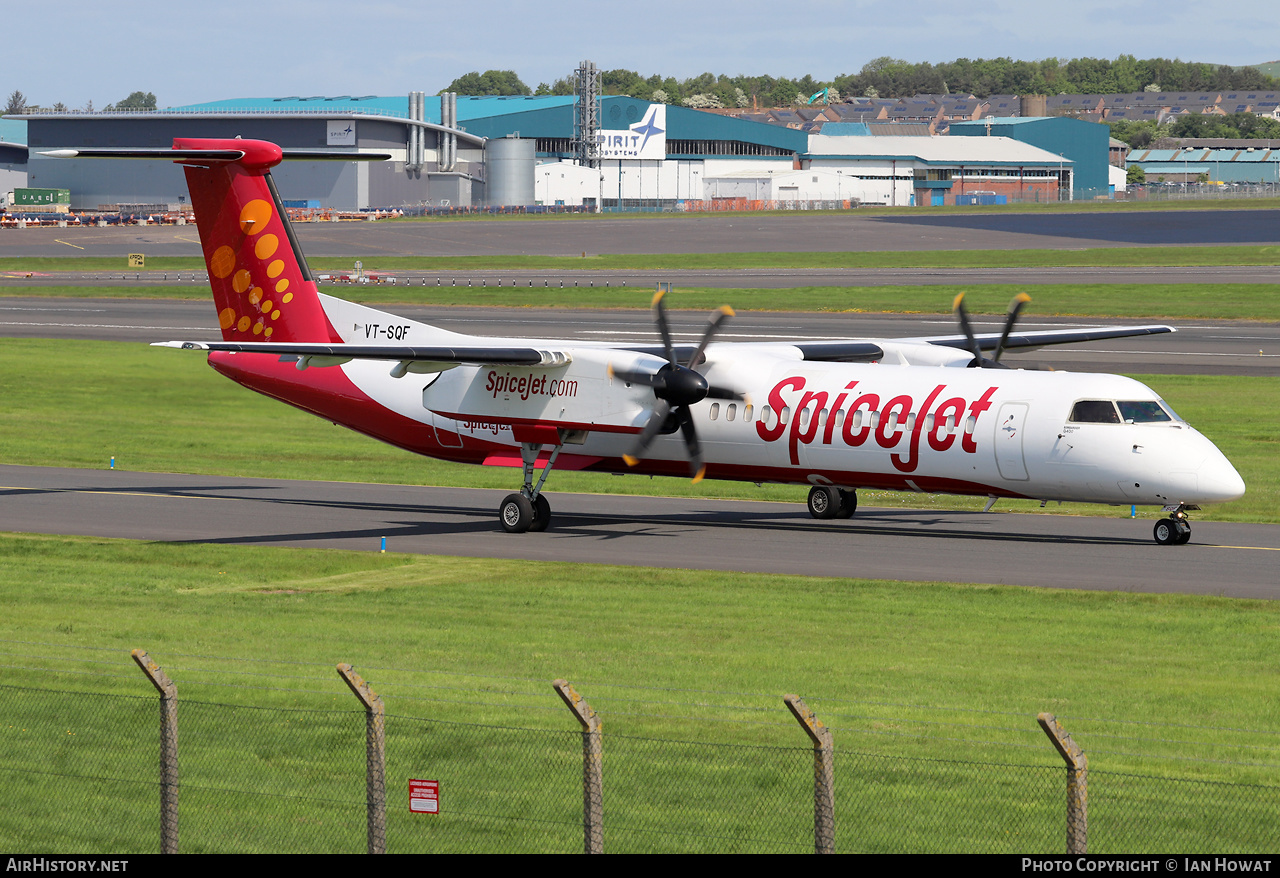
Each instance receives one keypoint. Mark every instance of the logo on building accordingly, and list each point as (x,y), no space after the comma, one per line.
(646,139)
(342,133)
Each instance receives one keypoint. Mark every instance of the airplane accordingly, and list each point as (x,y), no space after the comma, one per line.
(930,414)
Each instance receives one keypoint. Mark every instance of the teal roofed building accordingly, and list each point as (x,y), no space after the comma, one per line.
(1085,144)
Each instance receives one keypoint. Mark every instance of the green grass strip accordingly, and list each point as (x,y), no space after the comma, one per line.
(1093,257)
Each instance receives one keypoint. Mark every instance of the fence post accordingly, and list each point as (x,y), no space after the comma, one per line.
(168,750)
(824,798)
(375,742)
(1077,783)
(592,785)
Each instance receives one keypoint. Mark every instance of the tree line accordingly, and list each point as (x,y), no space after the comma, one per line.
(887,77)
(17,104)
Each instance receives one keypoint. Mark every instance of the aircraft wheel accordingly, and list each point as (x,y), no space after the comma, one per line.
(848,504)
(824,502)
(1184,537)
(1166,532)
(541,514)
(516,514)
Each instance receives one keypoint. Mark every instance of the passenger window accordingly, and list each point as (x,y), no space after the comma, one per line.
(784,415)
(746,412)
(764,414)
(715,410)
(804,417)
(1095,411)
(730,411)
(1143,411)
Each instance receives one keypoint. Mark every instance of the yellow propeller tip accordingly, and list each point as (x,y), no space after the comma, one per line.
(956,302)
(727,311)
(609,369)
(702,472)
(629,460)
(657,297)
(1022,297)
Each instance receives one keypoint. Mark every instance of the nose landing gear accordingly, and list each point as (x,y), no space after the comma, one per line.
(1176,529)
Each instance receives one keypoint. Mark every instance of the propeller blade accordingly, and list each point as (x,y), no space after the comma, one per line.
(1014,307)
(657,380)
(963,317)
(651,428)
(660,317)
(727,393)
(696,468)
(719,316)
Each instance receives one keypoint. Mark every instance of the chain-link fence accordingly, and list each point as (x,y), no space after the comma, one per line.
(82,773)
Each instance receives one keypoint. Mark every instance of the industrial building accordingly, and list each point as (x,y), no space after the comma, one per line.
(613,152)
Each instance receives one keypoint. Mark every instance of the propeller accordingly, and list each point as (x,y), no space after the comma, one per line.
(1015,307)
(677,387)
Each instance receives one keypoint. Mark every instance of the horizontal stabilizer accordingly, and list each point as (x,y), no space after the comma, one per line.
(210,155)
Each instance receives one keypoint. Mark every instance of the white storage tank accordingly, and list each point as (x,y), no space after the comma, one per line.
(509,163)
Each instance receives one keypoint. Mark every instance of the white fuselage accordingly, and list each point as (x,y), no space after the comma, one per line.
(929,428)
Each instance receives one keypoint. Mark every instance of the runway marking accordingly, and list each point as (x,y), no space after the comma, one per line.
(1254,548)
(68,243)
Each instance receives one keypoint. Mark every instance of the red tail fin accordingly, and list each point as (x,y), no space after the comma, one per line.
(261,283)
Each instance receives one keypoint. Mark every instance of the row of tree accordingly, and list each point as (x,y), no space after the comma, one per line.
(1234,126)
(18,105)
(892,78)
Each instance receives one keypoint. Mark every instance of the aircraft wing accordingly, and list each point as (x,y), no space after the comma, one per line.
(1030,340)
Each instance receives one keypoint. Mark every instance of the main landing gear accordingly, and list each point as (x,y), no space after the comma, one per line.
(826,501)
(1176,529)
(528,510)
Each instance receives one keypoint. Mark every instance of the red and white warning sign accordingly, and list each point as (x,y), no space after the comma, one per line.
(424,796)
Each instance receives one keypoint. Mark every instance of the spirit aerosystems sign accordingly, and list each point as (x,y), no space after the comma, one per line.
(646,139)
(342,133)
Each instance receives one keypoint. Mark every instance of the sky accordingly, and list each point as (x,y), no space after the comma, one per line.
(185,52)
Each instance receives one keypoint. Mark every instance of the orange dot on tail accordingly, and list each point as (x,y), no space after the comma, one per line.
(226,317)
(266,306)
(255,295)
(254,217)
(288,297)
(282,285)
(274,269)
(223,261)
(240,282)
(275,315)
(267,332)
(266,245)
(257,327)
(243,324)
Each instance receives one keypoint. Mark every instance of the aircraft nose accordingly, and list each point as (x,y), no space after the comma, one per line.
(1219,481)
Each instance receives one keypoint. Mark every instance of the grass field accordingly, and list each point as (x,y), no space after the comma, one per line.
(931,690)
(166,411)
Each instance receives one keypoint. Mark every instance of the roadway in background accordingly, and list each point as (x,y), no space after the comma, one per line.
(1201,347)
(744,232)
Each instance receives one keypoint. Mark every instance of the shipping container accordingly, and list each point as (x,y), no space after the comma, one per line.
(41,196)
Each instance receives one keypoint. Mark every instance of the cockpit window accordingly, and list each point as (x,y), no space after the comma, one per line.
(1142,411)
(1095,411)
